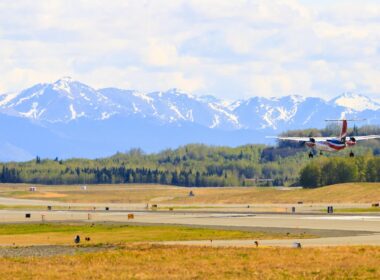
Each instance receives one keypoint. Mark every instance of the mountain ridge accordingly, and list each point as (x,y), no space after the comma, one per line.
(67,118)
(67,99)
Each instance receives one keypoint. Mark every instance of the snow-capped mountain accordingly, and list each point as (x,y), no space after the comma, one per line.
(356,102)
(259,112)
(172,106)
(68,118)
(66,100)
(63,100)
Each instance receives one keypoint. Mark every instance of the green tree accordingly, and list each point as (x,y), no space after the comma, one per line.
(310,176)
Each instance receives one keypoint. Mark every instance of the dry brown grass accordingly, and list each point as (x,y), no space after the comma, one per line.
(179,262)
(350,192)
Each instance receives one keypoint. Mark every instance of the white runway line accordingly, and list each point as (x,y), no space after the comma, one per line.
(343,218)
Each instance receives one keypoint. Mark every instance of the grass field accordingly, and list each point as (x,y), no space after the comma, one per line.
(21,207)
(178,262)
(40,207)
(358,210)
(350,192)
(63,234)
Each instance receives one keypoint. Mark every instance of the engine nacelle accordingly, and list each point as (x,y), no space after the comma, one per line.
(311,142)
(351,142)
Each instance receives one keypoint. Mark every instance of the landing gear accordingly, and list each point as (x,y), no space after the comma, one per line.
(352,154)
(311,155)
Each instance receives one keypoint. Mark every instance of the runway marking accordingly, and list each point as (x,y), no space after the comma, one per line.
(226,216)
(343,218)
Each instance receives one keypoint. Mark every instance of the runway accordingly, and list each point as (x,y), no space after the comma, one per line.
(333,229)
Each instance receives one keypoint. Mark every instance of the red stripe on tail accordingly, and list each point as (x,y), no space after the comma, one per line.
(343,133)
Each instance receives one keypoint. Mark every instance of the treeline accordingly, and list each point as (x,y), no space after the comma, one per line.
(191,165)
(113,175)
(200,165)
(328,171)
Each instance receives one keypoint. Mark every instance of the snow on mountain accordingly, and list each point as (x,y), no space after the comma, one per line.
(355,102)
(176,106)
(129,102)
(6,97)
(67,100)
(61,101)
(260,112)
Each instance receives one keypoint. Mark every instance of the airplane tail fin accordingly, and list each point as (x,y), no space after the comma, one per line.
(343,132)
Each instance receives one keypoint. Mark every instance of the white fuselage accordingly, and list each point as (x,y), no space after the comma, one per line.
(330,145)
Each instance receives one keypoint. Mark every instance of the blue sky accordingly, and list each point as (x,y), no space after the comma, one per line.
(231,49)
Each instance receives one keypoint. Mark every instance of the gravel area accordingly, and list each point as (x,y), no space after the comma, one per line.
(51,250)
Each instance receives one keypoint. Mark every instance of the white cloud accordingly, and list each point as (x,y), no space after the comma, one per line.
(158,53)
(232,49)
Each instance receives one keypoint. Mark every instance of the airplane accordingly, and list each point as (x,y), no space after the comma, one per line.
(331,144)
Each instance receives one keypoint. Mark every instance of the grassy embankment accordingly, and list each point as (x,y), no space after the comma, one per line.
(178,262)
(58,234)
(342,193)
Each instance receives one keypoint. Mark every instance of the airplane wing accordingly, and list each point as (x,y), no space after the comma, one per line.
(302,139)
(367,137)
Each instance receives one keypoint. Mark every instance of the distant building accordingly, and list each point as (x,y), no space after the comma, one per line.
(32,189)
(83,188)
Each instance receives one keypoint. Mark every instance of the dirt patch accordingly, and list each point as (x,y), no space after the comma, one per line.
(44,195)
(51,250)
